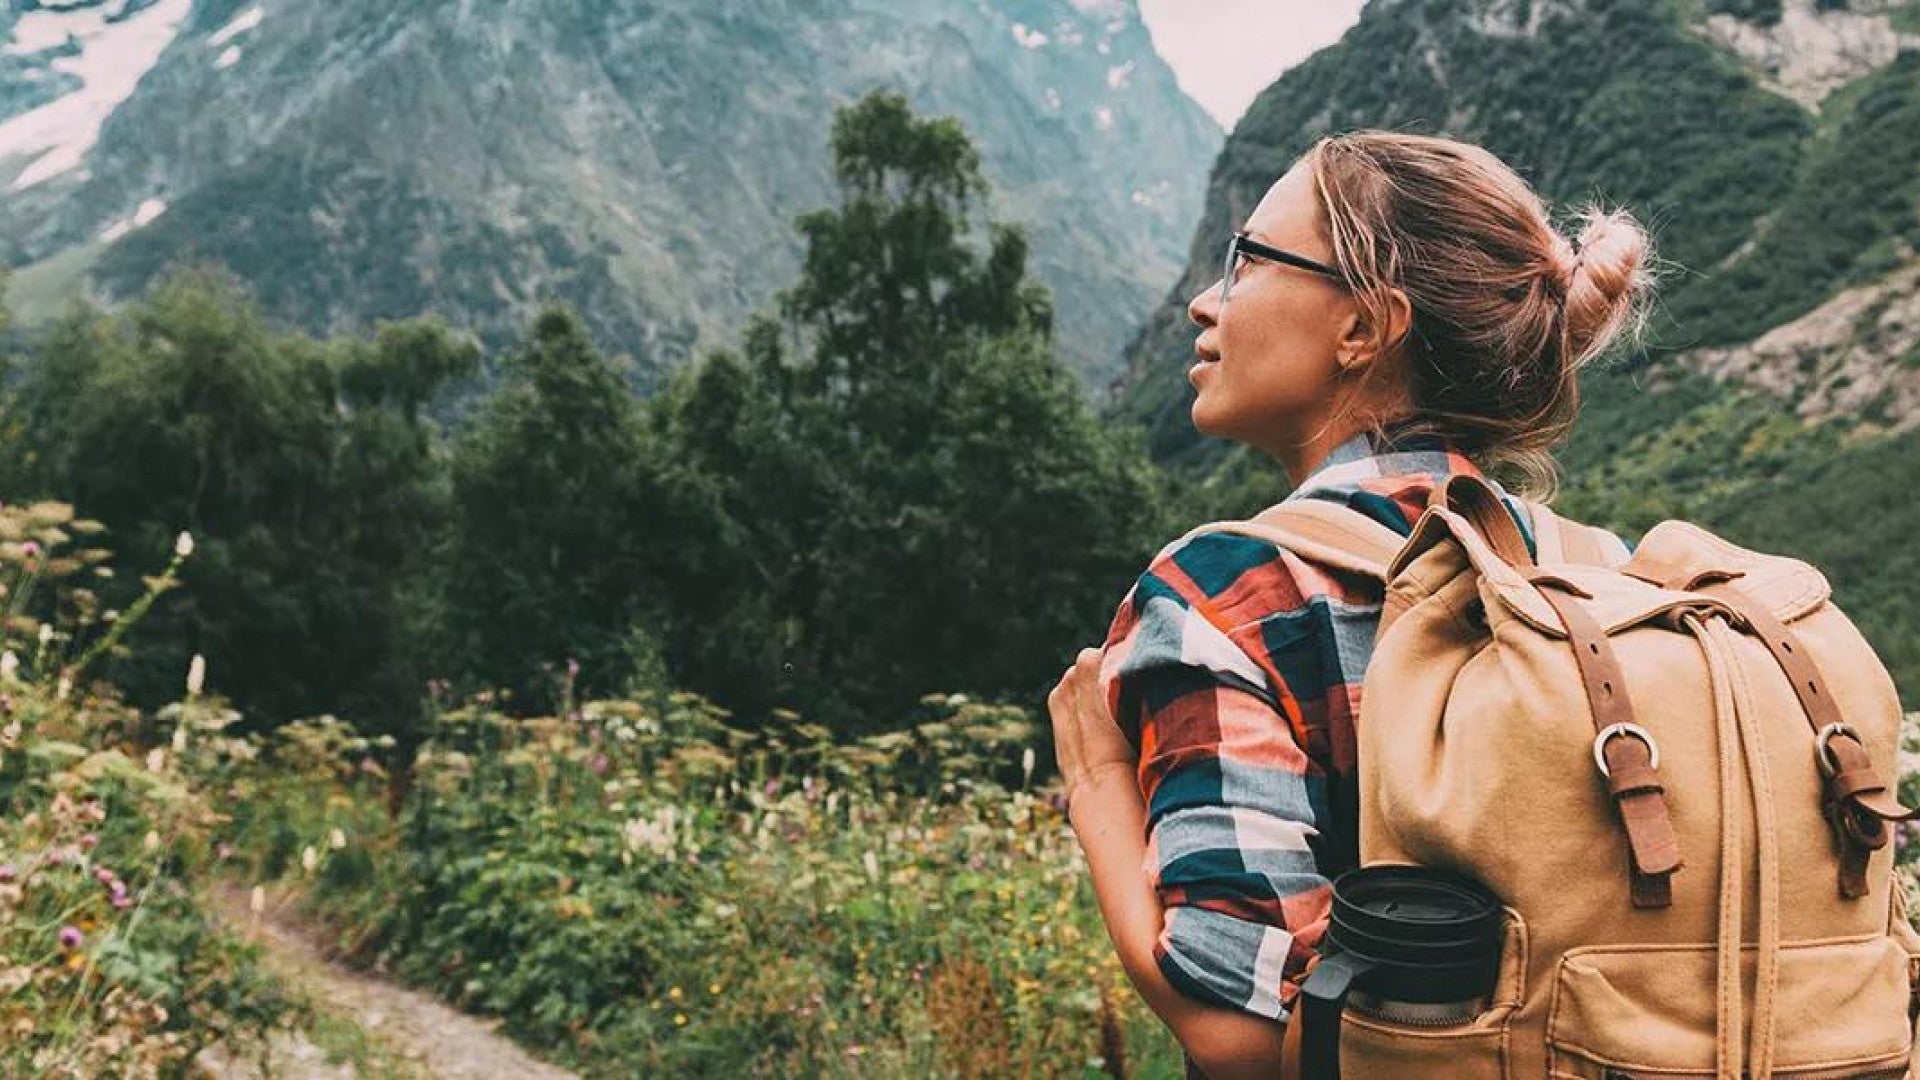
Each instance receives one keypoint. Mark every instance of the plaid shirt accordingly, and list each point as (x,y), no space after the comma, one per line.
(1235,668)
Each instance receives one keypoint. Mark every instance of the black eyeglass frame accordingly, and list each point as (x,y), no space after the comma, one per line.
(1242,244)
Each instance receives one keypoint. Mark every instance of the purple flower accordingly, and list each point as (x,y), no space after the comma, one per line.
(103,875)
(7,873)
(30,549)
(772,788)
(120,900)
(88,842)
(223,851)
(71,937)
(573,668)
(599,764)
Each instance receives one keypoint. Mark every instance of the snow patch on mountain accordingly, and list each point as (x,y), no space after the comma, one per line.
(241,23)
(113,57)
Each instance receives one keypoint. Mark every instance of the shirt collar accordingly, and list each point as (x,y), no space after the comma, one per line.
(1367,456)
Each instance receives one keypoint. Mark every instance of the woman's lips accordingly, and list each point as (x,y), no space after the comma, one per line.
(1203,359)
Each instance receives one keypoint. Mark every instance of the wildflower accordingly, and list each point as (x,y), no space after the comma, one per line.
(30,549)
(103,875)
(180,739)
(63,688)
(196,675)
(679,1019)
(309,858)
(336,839)
(46,633)
(88,841)
(71,937)
(110,615)
(183,544)
(8,873)
(573,668)
(674,993)
(1026,766)
(119,898)
(223,851)
(156,760)
(9,667)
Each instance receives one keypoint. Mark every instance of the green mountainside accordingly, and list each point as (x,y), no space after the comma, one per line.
(1776,159)
(643,160)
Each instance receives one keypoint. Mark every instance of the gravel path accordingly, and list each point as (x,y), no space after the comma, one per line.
(440,1042)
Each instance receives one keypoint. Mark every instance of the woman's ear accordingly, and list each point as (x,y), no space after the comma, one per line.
(1357,347)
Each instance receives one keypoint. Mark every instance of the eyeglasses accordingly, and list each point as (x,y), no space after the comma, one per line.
(1243,245)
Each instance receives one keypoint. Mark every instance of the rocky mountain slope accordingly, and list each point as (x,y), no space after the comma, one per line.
(643,159)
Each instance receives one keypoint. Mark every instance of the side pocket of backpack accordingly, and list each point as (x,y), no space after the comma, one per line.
(1473,1049)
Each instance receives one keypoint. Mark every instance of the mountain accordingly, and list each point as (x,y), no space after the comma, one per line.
(642,159)
(1773,149)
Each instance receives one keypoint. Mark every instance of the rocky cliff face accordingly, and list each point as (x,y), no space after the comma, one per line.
(643,159)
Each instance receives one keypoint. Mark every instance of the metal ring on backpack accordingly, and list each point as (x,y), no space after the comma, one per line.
(1830,765)
(1612,731)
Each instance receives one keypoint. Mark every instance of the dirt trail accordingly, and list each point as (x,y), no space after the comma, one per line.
(434,1040)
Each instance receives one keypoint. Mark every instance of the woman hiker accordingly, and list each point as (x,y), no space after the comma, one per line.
(1397,309)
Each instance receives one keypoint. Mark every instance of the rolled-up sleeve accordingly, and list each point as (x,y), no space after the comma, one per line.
(1234,805)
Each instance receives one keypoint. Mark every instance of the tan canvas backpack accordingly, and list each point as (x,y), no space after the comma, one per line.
(1675,771)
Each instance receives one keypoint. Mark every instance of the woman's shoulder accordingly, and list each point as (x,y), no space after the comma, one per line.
(1236,578)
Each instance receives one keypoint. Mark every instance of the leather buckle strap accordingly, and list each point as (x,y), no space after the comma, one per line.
(1857,803)
(1624,752)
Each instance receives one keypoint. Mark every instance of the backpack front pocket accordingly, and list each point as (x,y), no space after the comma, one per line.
(1622,1013)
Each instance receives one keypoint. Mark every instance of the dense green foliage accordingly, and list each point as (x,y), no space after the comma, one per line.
(893,487)
(109,964)
(895,475)
(307,469)
(640,889)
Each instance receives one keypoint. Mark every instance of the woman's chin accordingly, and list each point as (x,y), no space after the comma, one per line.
(1206,417)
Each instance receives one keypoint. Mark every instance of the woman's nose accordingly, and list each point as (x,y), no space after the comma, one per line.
(1204,308)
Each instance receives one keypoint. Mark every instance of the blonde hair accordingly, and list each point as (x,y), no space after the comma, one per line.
(1506,310)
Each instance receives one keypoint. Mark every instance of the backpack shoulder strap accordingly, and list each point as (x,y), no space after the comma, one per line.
(1325,533)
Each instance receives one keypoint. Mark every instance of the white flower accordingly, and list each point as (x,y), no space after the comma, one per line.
(110,615)
(180,739)
(336,839)
(1026,765)
(9,667)
(183,544)
(642,833)
(196,675)
(156,760)
(63,688)
(309,858)
(46,633)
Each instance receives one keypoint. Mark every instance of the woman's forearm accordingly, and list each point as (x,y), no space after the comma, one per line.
(1110,820)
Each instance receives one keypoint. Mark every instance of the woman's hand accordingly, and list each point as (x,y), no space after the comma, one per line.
(1086,742)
